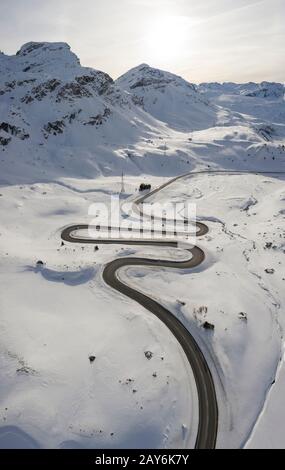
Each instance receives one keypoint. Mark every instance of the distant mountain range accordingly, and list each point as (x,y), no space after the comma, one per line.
(57,117)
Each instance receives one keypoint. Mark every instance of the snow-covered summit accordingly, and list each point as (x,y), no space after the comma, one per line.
(266,90)
(37,48)
(168,97)
(143,76)
(40,57)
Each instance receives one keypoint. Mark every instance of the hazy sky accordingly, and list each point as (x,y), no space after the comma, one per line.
(202,40)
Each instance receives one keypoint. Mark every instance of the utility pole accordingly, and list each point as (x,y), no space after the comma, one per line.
(122,184)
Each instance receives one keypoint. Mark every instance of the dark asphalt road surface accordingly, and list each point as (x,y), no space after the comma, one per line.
(208,408)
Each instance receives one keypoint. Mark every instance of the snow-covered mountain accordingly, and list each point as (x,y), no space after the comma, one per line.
(58,118)
(49,105)
(255,90)
(266,90)
(260,103)
(169,98)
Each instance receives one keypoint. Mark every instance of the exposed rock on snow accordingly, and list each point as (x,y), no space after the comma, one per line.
(208,326)
(148,354)
(13,130)
(270,271)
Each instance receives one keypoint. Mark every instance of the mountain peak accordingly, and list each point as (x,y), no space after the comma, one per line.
(142,66)
(38,47)
(144,75)
(163,94)
(45,55)
(40,58)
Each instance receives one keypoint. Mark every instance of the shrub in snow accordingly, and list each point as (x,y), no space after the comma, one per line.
(242,316)
(148,355)
(144,187)
(268,245)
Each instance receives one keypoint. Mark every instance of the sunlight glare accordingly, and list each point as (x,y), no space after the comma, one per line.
(166,37)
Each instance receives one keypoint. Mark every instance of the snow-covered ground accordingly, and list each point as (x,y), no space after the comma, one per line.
(54,317)
(66,135)
(233,291)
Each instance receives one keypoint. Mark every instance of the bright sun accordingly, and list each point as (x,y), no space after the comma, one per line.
(166,36)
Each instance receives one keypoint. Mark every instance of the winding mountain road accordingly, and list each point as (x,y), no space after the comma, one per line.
(208,408)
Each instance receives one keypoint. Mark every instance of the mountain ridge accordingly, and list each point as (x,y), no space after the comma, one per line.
(58,117)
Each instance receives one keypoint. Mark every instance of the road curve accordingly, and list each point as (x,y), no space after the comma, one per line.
(208,408)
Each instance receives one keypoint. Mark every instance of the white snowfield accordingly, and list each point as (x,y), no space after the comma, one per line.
(81,365)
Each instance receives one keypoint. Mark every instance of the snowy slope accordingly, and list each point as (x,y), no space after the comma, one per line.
(59,119)
(169,98)
(51,396)
(65,115)
(255,100)
(250,89)
(239,289)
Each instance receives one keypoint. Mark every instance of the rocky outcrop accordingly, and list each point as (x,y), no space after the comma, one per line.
(99,119)
(4,141)
(99,81)
(72,90)
(9,86)
(53,128)
(13,130)
(41,91)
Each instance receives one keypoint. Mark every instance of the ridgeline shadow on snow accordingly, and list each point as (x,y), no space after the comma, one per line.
(70,278)
(145,436)
(12,437)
